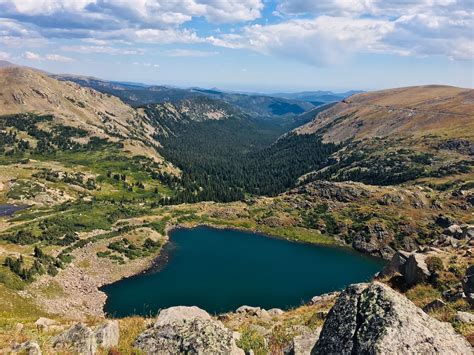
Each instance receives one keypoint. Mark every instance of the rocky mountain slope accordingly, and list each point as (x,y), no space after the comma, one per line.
(172,118)
(420,110)
(24,90)
(393,136)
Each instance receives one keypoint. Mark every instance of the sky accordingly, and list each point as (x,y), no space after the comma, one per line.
(247,45)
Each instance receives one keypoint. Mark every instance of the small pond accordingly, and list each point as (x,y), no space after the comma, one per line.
(7,210)
(220,270)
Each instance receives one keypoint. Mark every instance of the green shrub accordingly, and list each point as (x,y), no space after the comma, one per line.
(250,339)
(434,264)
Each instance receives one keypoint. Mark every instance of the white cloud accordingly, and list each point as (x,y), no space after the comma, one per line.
(142,13)
(167,36)
(190,53)
(331,30)
(32,56)
(317,41)
(146,64)
(50,57)
(102,50)
(58,58)
(316,32)
(4,55)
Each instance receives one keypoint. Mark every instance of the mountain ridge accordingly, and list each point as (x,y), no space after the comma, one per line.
(409,110)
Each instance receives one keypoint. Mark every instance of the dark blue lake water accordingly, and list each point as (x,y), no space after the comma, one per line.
(220,270)
(9,210)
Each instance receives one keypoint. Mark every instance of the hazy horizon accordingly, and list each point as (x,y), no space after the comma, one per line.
(246,45)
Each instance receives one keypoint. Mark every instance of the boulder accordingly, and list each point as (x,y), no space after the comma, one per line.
(444,221)
(464,317)
(253,311)
(434,305)
(374,319)
(28,347)
(396,264)
(468,284)
(468,231)
(373,240)
(187,330)
(107,335)
(274,312)
(416,270)
(79,338)
(302,344)
(180,313)
(44,324)
(326,297)
(454,230)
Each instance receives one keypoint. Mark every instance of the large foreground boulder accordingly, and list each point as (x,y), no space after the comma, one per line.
(187,330)
(107,335)
(79,338)
(374,319)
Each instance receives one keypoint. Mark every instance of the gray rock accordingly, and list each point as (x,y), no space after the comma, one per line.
(374,319)
(468,284)
(373,240)
(415,270)
(274,312)
(464,317)
(454,230)
(467,231)
(434,305)
(79,338)
(444,221)
(326,297)
(181,313)
(107,335)
(28,347)
(187,330)
(396,264)
(248,309)
(253,311)
(302,344)
(44,324)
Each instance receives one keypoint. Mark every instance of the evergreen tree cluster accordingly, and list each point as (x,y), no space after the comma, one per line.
(42,263)
(225,160)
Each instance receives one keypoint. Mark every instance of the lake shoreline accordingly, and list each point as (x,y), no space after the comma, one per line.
(167,253)
(97,298)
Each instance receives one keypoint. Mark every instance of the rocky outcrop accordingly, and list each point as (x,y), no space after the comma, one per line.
(396,264)
(434,305)
(28,347)
(187,330)
(373,240)
(79,338)
(416,270)
(464,317)
(326,297)
(335,191)
(303,343)
(374,319)
(454,230)
(468,284)
(107,335)
(253,311)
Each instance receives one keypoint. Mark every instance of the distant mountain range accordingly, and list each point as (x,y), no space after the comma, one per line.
(254,104)
(317,97)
